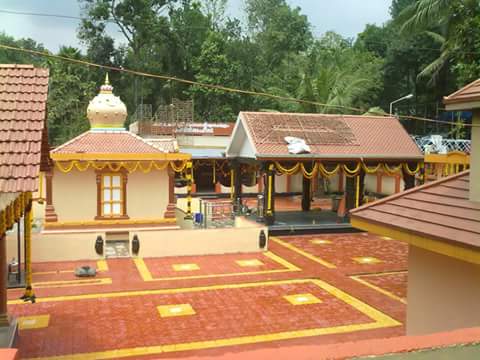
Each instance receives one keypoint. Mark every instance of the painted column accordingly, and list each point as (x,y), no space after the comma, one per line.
(3,270)
(341,181)
(170,211)
(475,157)
(50,215)
(307,189)
(29,295)
(360,188)
(270,195)
(189,177)
(379,182)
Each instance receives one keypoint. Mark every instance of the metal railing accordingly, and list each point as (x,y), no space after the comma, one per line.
(437,144)
(216,214)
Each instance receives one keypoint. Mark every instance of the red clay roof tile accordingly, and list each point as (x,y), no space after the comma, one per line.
(440,210)
(468,93)
(23,97)
(345,136)
(112,142)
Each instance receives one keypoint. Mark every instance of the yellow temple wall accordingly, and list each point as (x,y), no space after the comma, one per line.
(443,293)
(75,195)
(147,194)
(80,244)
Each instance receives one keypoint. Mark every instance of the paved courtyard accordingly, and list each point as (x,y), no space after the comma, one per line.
(306,290)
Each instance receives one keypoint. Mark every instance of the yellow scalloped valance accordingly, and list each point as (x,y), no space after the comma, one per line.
(130,166)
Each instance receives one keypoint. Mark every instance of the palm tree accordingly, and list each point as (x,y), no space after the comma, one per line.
(440,20)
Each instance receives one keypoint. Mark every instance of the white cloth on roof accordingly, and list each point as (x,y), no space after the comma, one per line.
(297,145)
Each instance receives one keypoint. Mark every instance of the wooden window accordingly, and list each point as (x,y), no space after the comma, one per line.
(111,201)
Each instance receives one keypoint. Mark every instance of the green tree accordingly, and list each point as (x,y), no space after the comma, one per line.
(279,29)
(213,66)
(69,93)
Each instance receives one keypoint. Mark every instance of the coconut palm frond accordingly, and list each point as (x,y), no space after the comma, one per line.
(432,71)
(425,14)
(438,38)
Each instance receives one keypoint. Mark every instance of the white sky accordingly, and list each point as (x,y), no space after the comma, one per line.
(347,17)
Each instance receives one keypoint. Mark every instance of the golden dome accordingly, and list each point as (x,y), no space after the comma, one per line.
(106,110)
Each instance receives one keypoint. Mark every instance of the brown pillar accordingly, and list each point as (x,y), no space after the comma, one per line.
(3,271)
(288,181)
(379,182)
(397,183)
(350,189)
(99,195)
(50,215)
(341,185)
(170,212)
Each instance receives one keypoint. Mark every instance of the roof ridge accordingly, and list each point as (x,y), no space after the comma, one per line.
(18,66)
(409,191)
(317,114)
(70,141)
(145,142)
(468,86)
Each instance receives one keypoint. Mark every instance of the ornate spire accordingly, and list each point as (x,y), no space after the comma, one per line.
(106,110)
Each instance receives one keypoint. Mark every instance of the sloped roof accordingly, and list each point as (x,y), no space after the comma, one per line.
(329,136)
(468,94)
(439,210)
(113,145)
(23,135)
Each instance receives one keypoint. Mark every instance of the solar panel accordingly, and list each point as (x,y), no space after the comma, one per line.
(315,131)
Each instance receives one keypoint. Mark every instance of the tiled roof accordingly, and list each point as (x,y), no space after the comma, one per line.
(468,93)
(439,210)
(330,136)
(23,136)
(112,142)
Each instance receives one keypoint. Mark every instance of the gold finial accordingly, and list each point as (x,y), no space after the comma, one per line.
(106,79)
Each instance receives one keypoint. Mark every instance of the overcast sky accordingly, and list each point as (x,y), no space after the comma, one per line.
(347,17)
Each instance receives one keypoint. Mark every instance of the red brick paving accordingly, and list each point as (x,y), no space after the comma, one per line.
(209,265)
(123,322)
(344,247)
(395,283)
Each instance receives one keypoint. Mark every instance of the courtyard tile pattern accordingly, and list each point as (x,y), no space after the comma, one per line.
(286,298)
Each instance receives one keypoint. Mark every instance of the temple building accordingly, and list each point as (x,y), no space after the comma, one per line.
(108,178)
(339,152)
(441,223)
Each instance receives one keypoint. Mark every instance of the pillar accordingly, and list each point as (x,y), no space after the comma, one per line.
(50,215)
(307,189)
(409,180)
(170,211)
(3,270)
(270,195)
(475,158)
(353,185)
(236,183)
(189,177)
(379,182)
(341,181)
(29,295)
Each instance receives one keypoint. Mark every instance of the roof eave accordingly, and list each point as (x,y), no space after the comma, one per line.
(381,157)
(461,104)
(120,156)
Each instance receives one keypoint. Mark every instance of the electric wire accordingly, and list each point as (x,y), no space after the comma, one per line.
(220,87)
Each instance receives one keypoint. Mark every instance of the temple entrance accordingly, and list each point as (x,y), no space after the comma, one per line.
(203,178)
(117,245)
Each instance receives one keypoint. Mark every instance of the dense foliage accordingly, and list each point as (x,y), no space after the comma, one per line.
(428,48)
